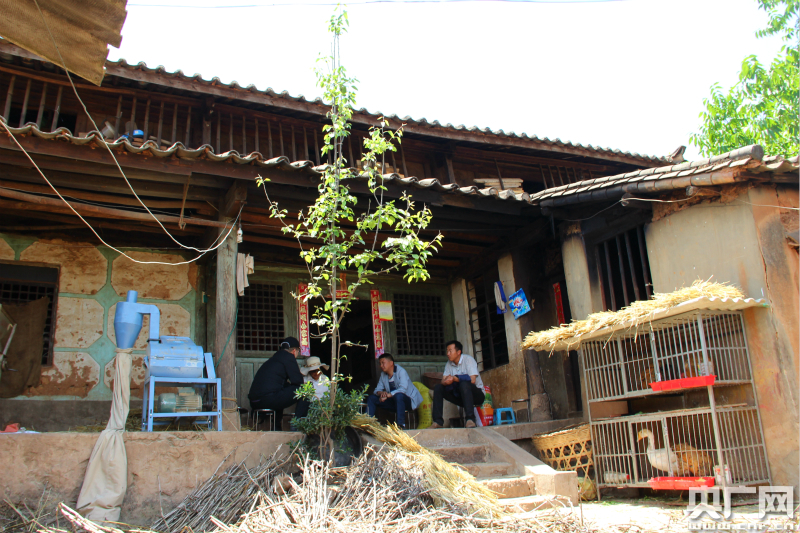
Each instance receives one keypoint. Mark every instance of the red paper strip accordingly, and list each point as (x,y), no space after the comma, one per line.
(305,345)
(559,303)
(377,327)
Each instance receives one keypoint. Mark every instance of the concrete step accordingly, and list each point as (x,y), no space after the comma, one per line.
(510,486)
(486,470)
(529,503)
(463,453)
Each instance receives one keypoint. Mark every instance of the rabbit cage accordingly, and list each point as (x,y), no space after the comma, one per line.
(714,444)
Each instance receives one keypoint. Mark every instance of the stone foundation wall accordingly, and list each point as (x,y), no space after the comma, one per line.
(162,467)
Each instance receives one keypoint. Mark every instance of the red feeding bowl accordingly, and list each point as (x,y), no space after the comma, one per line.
(683,383)
(680,483)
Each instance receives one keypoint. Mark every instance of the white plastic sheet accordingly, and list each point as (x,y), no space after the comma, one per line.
(106,479)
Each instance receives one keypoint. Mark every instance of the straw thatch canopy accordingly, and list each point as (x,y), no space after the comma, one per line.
(700,295)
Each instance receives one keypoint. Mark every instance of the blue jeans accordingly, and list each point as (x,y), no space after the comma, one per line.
(399,403)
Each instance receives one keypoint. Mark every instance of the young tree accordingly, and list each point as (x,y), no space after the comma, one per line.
(762,108)
(366,237)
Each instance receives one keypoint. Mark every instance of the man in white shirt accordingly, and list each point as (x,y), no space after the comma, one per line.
(461,385)
(314,376)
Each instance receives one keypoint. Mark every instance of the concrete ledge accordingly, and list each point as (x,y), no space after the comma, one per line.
(526,430)
(179,461)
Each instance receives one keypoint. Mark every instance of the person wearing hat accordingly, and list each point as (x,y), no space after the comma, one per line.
(314,376)
(395,391)
(276,382)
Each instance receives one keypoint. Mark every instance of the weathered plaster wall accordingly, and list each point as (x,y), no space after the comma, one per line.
(745,244)
(91,281)
(162,467)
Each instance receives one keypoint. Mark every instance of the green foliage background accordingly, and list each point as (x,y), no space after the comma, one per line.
(762,107)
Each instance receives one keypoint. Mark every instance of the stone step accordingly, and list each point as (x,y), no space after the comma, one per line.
(528,503)
(463,453)
(510,486)
(487,470)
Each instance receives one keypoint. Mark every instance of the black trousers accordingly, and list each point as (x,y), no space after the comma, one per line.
(278,401)
(469,395)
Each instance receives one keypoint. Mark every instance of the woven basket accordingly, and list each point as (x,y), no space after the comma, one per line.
(568,449)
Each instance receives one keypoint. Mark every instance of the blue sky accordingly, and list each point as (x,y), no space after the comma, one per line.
(627,74)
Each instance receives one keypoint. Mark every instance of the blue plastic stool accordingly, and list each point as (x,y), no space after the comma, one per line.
(498,416)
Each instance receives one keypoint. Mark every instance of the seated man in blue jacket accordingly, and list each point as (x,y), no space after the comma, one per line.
(394,392)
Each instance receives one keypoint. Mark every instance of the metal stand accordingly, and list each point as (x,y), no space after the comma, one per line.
(149,396)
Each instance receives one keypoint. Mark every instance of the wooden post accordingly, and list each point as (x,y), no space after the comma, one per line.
(146,129)
(244,135)
(118,116)
(25,104)
(316,146)
(225,300)
(175,124)
(41,107)
(58,109)
(257,146)
(269,138)
(280,134)
(294,146)
(451,175)
(188,126)
(9,97)
(160,125)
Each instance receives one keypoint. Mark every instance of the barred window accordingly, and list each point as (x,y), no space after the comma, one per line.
(259,322)
(419,324)
(488,328)
(25,283)
(623,269)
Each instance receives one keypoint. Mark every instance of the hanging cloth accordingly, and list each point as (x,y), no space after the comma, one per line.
(500,298)
(106,479)
(245,265)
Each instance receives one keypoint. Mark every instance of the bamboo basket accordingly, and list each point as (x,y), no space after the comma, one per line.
(569,449)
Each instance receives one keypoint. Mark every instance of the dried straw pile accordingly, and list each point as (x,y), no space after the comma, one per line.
(637,313)
(385,491)
(446,483)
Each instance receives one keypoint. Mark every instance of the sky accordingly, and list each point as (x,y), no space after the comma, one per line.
(626,74)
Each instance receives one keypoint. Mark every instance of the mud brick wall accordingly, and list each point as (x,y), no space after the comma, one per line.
(91,281)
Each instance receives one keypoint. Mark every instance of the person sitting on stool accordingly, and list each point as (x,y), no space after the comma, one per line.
(394,392)
(314,375)
(461,385)
(276,382)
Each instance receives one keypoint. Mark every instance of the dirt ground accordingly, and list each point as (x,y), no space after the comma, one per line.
(644,515)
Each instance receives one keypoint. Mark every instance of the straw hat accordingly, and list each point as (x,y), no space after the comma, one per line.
(313,363)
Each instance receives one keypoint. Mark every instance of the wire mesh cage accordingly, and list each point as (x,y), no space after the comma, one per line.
(632,450)
(676,353)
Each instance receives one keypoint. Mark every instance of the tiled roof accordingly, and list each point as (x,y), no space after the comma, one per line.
(119,67)
(717,170)
(256,159)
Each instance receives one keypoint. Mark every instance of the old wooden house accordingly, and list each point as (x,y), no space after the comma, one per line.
(203,145)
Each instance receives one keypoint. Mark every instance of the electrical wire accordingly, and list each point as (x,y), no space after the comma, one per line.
(591,217)
(119,167)
(222,241)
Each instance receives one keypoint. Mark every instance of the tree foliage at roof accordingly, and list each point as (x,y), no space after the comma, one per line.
(762,107)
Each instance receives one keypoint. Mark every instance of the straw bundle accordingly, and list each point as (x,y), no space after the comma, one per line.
(446,483)
(635,314)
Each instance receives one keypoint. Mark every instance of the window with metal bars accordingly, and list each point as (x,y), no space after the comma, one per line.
(260,319)
(25,283)
(419,324)
(487,327)
(623,269)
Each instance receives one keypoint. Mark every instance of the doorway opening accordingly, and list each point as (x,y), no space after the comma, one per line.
(357,362)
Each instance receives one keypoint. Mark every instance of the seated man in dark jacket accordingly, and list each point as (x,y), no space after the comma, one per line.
(276,382)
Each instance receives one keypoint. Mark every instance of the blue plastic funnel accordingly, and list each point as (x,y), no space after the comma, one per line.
(128,321)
